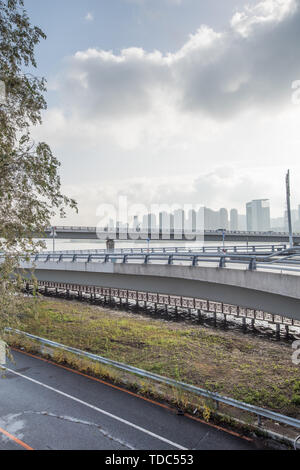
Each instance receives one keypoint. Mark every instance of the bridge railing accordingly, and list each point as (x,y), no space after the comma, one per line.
(156,230)
(252,262)
(266,248)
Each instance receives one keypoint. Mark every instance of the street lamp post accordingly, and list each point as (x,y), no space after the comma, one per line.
(53,234)
(288,203)
(223,231)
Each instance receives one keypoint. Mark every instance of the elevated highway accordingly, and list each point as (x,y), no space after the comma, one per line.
(268,285)
(93,233)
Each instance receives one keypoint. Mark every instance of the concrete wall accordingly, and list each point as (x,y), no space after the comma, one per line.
(270,292)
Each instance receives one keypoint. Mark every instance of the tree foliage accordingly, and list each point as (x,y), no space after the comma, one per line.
(30,187)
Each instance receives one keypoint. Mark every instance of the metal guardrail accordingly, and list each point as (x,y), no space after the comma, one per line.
(216,397)
(284,260)
(221,260)
(163,250)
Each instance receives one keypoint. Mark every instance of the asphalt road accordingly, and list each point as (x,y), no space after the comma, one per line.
(47,407)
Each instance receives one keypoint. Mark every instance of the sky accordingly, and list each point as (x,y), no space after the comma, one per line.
(171,101)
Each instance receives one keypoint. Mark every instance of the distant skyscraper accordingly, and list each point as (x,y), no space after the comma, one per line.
(172,221)
(211,219)
(191,220)
(149,222)
(145,222)
(111,224)
(223,214)
(164,222)
(179,219)
(135,222)
(234,220)
(152,222)
(258,215)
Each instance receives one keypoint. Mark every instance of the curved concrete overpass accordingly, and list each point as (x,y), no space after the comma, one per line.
(270,292)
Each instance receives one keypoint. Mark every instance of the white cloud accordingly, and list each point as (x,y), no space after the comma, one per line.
(265,12)
(222,100)
(217,74)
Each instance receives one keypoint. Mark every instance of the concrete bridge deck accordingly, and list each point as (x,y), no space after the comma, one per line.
(94,233)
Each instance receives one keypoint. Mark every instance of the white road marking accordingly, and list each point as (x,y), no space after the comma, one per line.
(106,413)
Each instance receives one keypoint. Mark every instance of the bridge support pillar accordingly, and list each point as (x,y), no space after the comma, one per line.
(199,316)
(110,245)
(287,331)
(277,331)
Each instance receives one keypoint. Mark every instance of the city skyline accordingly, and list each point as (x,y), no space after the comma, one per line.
(258,218)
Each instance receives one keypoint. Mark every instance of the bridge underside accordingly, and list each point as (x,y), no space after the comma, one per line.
(249,291)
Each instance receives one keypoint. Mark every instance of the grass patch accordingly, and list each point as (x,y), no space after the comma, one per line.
(246,368)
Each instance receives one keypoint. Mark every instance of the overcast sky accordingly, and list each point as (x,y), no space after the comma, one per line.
(171,101)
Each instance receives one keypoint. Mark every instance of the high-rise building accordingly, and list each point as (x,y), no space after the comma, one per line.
(179,219)
(136,222)
(149,222)
(211,219)
(258,215)
(152,221)
(223,215)
(164,222)
(234,220)
(191,221)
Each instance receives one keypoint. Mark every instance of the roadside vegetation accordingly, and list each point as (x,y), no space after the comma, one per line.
(244,367)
